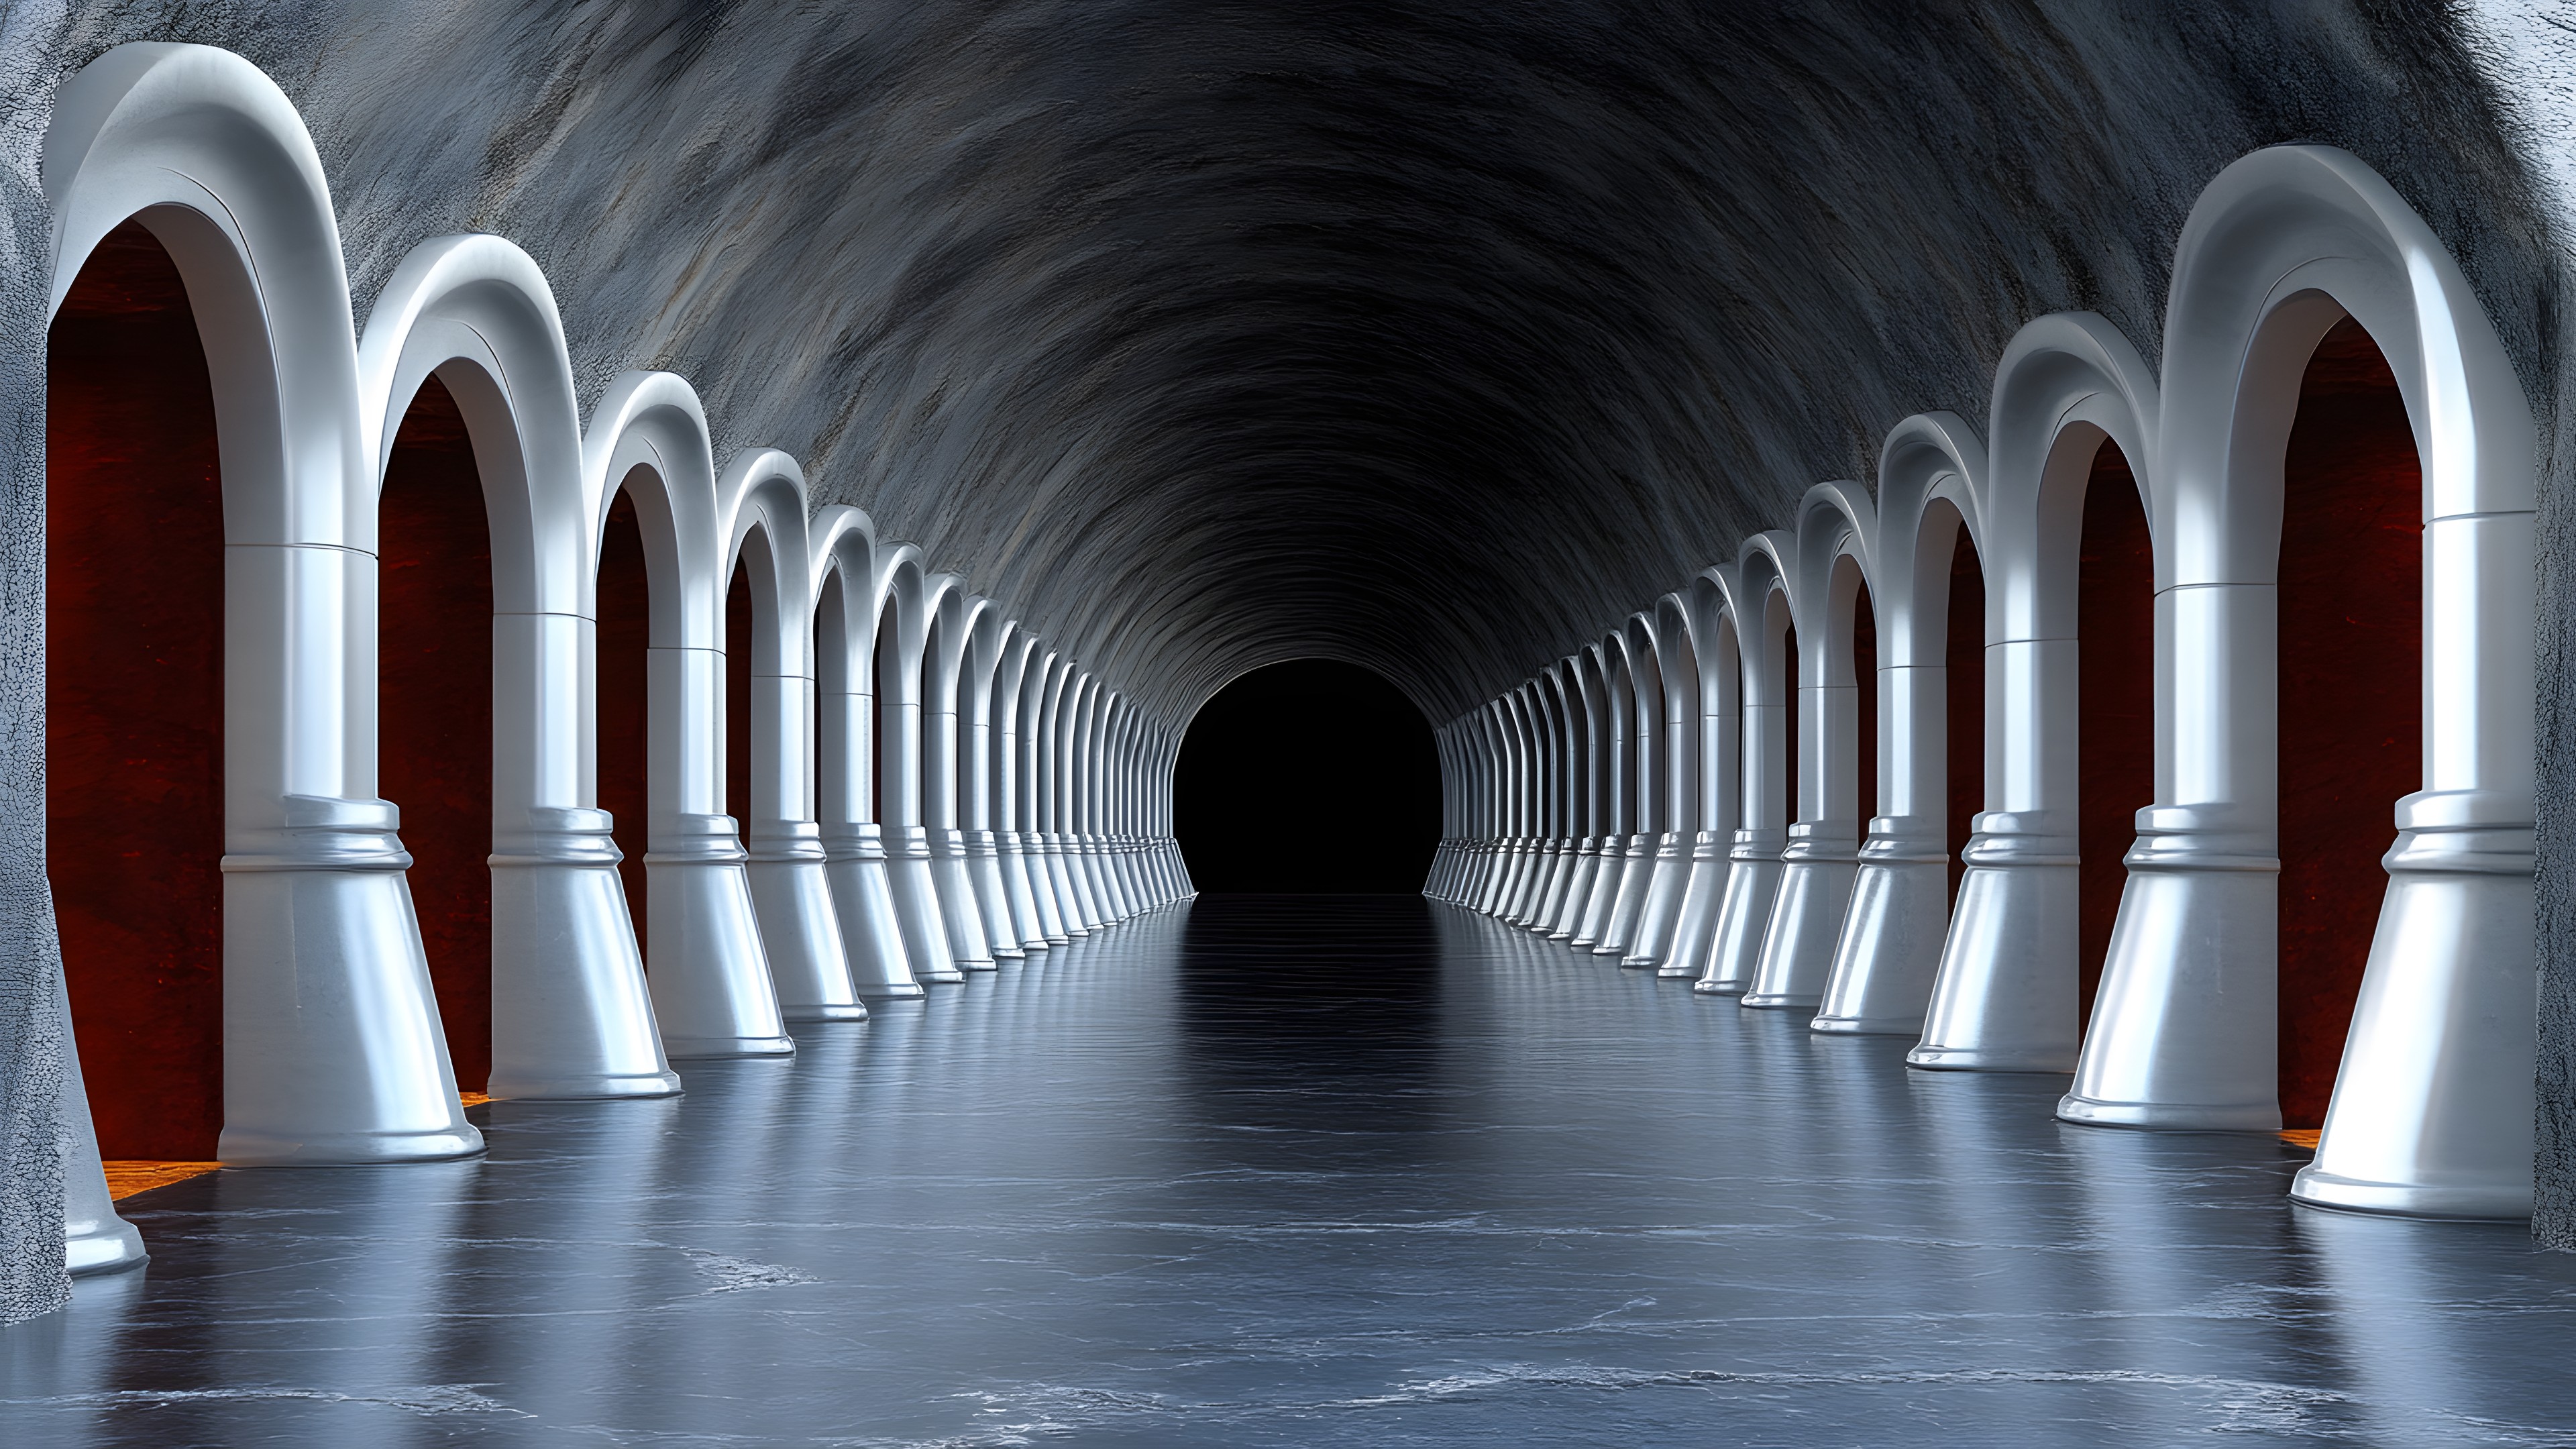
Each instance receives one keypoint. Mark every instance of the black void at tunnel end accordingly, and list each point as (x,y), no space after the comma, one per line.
(1311,776)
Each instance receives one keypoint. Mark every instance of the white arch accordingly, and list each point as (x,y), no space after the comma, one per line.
(710,978)
(1080,781)
(1677,745)
(977,779)
(1718,669)
(2432,1111)
(1588,703)
(1640,751)
(846,583)
(761,502)
(1041,836)
(571,1016)
(1890,945)
(332,1045)
(951,613)
(1819,862)
(901,606)
(1764,587)
(2005,996)
(1533,845)
(1021,658)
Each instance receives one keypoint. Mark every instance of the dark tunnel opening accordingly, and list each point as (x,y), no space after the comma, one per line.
(1311,776)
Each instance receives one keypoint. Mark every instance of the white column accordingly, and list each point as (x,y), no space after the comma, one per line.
(1720,783)
(1822,857)
(853,843)
(1753,876)
(907,839)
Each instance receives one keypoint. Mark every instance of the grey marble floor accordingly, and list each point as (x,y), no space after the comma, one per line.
(1327,1171)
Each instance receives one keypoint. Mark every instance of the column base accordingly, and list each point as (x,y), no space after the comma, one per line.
(854,1011)
(595,1087)
(1780,1001)
(706,1048)
(1718,988)
(1867,1026)
(112,1246)
(1990,1059)
(241,1148)
(2463,1201)
(893,991)
(2170,1116)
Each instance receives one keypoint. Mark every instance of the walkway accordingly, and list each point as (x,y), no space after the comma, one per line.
(1306,1171)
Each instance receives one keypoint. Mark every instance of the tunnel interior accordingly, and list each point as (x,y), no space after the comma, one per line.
(1310,776)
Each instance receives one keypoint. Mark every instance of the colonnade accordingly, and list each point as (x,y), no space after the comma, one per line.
(1636,798)
(934,786)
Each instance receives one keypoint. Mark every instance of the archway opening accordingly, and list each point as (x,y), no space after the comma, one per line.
(737,697)
(1308,776)
(1787,800)
(884,662)
(625,633)
(1963,659)
(2351,693)
(2115,629)
(434,707)
(1864,714)
(134,698)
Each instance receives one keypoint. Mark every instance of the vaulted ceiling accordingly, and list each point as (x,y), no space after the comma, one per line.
(1436,337)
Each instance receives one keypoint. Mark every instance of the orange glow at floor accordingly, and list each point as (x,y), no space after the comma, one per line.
(125,1179)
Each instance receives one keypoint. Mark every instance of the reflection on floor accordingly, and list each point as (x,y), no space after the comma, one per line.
(1306,1171)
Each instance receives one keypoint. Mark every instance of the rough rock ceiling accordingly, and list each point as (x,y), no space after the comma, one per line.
(1431,336)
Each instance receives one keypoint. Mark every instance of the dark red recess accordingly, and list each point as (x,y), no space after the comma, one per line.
(134,694)
(625,634)
(1964,658)
(2115,626)
(737,686)
(434,708)
(2352,549)
(1865,674)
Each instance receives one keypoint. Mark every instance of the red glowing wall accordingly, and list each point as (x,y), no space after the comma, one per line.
(2351,651)
(134,693)
(1964,655)
(625,635)
(2115,625)
(434,697)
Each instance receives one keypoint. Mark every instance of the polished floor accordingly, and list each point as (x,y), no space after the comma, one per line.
(1306,1171)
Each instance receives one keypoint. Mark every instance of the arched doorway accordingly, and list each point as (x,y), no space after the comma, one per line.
(1308,776)
(134,698)
(1963,703)
(2115,592)
(624,634)
(2351,704)
(434,707)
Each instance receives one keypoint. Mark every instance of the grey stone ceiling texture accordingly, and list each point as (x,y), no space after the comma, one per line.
(1431,336)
